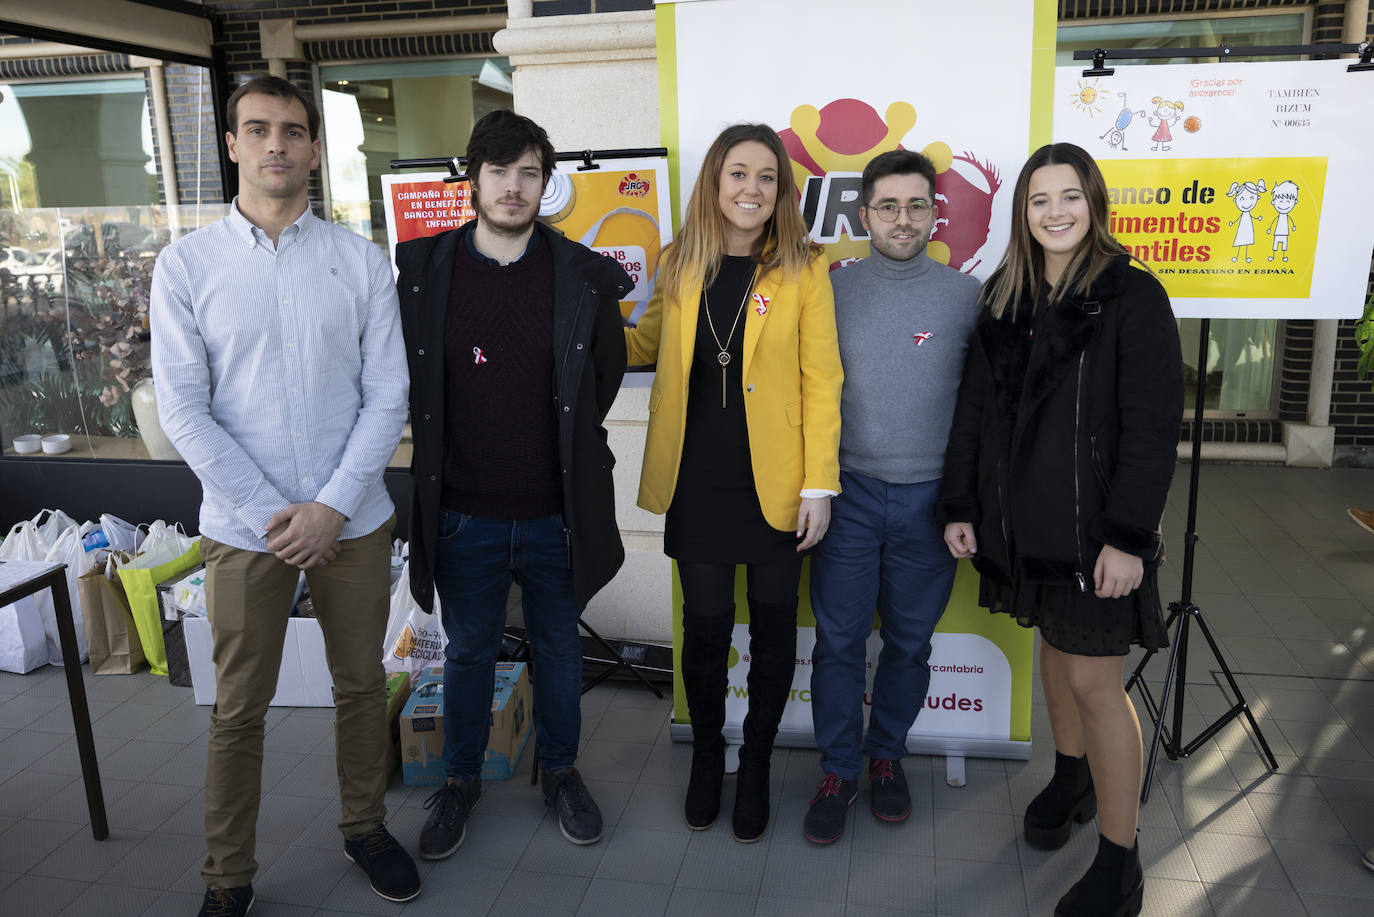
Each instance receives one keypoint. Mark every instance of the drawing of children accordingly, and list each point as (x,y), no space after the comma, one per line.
(1246,196)
(1284,198)
(1166,115)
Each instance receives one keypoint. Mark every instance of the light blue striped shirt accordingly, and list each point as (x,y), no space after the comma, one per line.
(281,375)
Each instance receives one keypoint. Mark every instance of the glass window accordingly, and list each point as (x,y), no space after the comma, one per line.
(1211,31)
(374,113)
(80,229)
(74,333)
(1241,353)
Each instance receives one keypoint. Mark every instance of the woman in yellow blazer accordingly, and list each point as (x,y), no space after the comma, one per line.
(742,449)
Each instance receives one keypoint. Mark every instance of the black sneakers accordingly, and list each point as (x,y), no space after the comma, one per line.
(578,817)
(390,870)
(829,808)
(446,827)
(889,798)
(227,902)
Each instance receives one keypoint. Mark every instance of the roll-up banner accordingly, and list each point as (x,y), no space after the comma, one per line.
(619,209)
(841,88)
(1243,186)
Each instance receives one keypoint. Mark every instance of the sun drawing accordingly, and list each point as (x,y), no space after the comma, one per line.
(1086,98)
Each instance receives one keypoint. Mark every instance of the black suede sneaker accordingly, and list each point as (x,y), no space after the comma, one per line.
(390,870)
(889,798)
(446,826)
(227,902)
(578,817)
(829,808)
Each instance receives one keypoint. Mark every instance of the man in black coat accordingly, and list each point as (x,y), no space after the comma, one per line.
(513,336)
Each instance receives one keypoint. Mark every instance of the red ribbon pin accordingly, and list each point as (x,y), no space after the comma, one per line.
(921,337)
(477,356)
(760,303)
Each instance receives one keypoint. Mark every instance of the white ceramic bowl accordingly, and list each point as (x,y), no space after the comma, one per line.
(27,444)
(57,444)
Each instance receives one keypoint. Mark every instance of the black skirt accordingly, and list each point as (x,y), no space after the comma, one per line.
(715,516)
(1078,622)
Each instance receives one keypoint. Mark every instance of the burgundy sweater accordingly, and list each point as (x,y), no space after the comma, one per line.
(500,420)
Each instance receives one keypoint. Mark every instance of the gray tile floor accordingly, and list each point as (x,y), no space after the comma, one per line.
(1284,579)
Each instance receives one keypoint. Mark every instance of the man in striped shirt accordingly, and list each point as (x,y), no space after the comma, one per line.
(281,378)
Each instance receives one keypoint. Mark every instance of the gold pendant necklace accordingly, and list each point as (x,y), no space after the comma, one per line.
(723,357)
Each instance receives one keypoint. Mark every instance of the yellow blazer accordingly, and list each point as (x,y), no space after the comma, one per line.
(791,375)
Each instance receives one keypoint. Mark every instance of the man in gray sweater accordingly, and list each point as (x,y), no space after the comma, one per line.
(904,322)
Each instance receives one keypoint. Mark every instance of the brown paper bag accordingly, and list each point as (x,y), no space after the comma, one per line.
(111,635)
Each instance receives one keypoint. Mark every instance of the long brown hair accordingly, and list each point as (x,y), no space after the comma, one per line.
(696,253)
(1022,269)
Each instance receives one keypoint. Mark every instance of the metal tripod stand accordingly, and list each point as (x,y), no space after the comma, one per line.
(1186,612)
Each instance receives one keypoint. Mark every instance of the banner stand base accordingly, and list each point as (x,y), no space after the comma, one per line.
(960,747)
(954,770)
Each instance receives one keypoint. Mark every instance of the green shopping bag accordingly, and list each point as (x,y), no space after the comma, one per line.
(169,557)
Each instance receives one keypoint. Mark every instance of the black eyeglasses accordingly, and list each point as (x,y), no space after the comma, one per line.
(917,210)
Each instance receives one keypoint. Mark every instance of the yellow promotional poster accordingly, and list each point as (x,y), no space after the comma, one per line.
(616,209)
(1241,185)
(833,119)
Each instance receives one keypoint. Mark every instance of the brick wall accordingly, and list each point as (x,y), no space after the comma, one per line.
(236,29)
(191,111)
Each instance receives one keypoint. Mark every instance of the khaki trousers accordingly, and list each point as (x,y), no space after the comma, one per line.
(248,596)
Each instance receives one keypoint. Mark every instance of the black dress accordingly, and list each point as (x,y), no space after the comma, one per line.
(1070,619)
(715,516)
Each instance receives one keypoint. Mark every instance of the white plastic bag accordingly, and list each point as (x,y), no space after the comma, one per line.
(162,544)
(55,524)
(24,542)
(66,549)
(414,638)
(121,535)
(23,646)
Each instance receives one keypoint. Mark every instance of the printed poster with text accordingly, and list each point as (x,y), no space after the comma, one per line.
(833,116)
(1243,186)
(618,210)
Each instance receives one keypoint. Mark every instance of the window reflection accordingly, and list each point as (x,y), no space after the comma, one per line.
(74,332)
(374,113)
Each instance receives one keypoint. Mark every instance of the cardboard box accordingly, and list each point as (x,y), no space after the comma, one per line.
(422,726)
(304,680)
(397,693)
(511,706)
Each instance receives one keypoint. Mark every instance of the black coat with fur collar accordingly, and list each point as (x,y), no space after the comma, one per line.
(1089,455)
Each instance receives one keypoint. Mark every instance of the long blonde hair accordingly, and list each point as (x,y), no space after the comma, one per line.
(1019,274)
(696,253)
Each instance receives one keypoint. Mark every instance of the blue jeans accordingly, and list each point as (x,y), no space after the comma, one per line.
(477,560)
(882,551)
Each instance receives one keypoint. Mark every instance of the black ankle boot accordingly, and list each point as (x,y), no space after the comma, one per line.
(750,818)
(1114,886)
(1068,798)
(705,657)
(703,790)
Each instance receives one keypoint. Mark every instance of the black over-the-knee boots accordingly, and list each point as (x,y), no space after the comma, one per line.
(705,657)
(773,656)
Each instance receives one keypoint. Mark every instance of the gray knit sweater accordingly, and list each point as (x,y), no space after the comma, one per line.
(903,329)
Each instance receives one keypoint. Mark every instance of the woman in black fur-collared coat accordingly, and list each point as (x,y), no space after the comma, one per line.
(1058,467)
